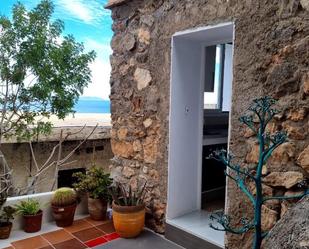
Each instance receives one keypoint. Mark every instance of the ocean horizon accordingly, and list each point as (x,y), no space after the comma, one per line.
(92,105)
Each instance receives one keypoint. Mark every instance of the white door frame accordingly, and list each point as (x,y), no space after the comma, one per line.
(186,116)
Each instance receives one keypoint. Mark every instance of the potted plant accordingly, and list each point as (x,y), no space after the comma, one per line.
(63,203)
(6,214)
(95,183)
(128,210)
(32,214)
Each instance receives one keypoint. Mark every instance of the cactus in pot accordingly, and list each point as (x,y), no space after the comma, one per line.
(64,202)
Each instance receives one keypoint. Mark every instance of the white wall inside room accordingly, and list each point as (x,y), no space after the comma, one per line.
(186,115)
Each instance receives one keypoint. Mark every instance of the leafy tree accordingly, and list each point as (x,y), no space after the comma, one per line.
(42,73)
(262,110)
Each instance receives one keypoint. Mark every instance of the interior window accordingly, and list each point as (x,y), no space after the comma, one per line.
(217,77)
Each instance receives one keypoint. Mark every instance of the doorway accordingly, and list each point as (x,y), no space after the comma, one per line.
(200,100)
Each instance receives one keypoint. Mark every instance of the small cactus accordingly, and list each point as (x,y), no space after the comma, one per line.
(64,197)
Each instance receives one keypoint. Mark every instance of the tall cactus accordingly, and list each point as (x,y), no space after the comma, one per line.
(262,110)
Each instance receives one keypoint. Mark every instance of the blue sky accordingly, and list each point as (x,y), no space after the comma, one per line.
(91,24)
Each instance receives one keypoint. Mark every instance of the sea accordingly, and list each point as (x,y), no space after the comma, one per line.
(92,105)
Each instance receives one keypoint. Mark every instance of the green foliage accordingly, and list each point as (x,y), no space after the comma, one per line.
(64,197)
(6,212)
(124,195)
(95,182)
(41,72)
(29,207)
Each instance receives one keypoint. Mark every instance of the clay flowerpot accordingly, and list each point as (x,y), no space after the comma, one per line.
(128,220)
(33,223)
(5,230)
(97,208)
(64,216)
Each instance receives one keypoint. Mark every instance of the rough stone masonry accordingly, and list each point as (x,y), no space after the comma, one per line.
(271,57)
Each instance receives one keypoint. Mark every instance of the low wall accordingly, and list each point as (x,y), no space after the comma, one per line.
(44,199)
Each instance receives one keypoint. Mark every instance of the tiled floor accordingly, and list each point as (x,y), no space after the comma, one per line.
(84,233)
(147,240)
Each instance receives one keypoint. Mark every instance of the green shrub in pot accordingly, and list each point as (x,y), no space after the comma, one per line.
(32,214)
(95,182)
(64,202)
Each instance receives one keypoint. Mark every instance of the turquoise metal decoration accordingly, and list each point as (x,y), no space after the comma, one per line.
(261,111)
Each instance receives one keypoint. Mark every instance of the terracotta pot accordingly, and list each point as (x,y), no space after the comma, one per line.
(5,230)
(128,220)
(97,208)
(33,223)
(64,216)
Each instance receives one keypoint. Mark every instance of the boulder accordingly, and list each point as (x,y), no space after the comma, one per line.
(292,231)
(283,179)
(142,78)
(303,159)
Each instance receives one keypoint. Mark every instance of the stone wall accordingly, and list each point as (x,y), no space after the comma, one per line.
(19,158)
(271,51)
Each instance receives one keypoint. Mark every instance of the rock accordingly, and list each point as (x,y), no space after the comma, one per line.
(269,218)
(303,159)
(305,4)
(122,133)
(145,170)
(147,20)
(267,191)
(297,114)
(154,174)
(264,170)
(123,70)
(283,179)
(283,154)
(144,36)
(253,155)
(122,149)
(129,42)
(150,147)
(306,85)
(295,131)
(248,133)
(147,123)
(137,146)
(142,77)
(113,133)
(128,172)
(285,205)
(292,230)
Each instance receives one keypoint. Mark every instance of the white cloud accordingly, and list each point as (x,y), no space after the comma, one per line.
(99,87)
(100,68)
(103,50)
(87,11)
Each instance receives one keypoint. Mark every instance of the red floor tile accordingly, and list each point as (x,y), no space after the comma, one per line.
(88,234)
(78,225)
(70,244)
(111,236)
(36,242)
(57,237)
(107,227)
(96,242)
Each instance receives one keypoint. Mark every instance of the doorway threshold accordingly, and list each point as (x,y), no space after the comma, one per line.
(196,229)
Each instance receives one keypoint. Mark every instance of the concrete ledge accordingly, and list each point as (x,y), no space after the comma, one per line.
(44,199)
